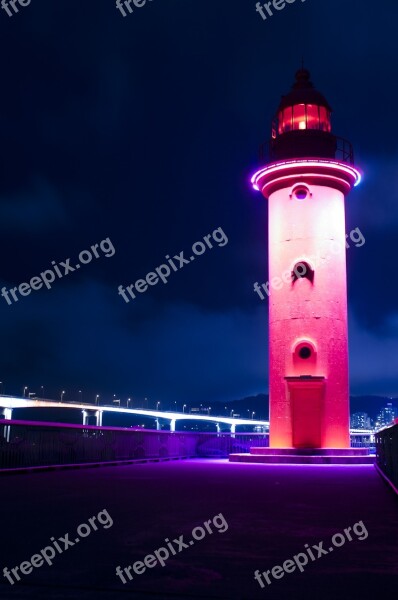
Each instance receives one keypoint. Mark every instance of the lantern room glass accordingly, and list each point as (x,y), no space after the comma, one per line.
(304,116)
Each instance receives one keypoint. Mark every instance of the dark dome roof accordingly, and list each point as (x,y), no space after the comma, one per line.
(303,92)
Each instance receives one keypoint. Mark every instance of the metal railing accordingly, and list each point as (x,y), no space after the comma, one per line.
(30,444)
(387,452)
(344,151)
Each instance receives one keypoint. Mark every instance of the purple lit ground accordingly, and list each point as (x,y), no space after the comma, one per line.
(272,511)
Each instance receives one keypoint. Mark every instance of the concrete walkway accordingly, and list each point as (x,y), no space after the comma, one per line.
(271,511)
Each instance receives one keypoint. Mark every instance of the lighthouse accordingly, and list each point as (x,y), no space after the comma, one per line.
(305,178)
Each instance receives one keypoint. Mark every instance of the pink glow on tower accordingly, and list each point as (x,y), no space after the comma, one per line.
(305,184)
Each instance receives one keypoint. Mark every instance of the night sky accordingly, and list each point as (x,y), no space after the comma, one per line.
(145,130)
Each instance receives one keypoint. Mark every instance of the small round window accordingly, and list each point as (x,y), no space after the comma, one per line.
(301,193)
(302,270)
(305,352)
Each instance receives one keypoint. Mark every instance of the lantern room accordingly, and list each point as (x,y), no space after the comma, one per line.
(304,116)
(303,108)
(302,126)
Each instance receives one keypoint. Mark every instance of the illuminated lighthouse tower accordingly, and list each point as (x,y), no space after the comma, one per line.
(308,175)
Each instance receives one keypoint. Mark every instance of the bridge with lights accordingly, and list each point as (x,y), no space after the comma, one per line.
(95,412)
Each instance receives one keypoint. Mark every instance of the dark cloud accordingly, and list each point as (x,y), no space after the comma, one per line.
(145,129)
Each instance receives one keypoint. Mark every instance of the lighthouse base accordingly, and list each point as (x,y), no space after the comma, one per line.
(306,456)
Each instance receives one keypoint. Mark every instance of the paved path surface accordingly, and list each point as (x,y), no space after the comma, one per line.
(271,511)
